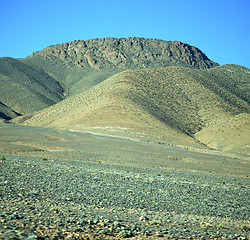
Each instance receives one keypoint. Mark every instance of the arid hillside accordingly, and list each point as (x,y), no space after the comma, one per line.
(79,65)
(227,134)
(7,113)
(124,138)
(171,104)
(25,89)
(149,89)
(48,76)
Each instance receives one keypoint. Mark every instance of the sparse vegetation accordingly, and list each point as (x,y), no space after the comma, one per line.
(36,89)
(171,100)
(142,182)
(160,97)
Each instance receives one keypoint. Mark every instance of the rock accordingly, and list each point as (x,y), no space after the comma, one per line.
(125,234)
(103,231)
(82,221)
(143,218)
(90,222)
(15,216)
(159,234)
(102,224)
(129,53)
(31,237)
(116,224)
(91,61)
(95,221)
(133,228)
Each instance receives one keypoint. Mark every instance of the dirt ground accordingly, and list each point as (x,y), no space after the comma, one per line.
(51,142)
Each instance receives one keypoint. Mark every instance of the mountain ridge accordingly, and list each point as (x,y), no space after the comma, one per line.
(125,52)
(95,60)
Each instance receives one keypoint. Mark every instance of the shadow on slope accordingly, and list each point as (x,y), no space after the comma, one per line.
(25,89)
(72,78)
(6,113)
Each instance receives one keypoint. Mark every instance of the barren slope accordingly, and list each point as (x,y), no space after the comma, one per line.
(25,89)
(170,104)
(228,134)
(46,77)
(6,112)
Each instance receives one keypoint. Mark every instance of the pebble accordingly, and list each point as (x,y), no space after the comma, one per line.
(31,237)
(106,202)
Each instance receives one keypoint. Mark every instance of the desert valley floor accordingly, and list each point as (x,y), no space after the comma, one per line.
(59,184)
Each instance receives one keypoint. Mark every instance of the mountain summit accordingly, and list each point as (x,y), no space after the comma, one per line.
(79,65)
(128,53)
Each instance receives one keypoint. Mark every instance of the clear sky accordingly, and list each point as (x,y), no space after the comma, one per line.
(220,28)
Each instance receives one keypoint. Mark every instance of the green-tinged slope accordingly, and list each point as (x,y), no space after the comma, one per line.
(234,79)
(6,112)
(72,78)
(25,89)
(170,104)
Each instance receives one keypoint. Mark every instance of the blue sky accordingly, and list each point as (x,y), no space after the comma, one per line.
(220,28)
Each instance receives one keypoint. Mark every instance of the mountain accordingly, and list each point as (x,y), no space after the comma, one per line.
(46,77)
(80,65)
(174,104)
(25,89)
(154,90)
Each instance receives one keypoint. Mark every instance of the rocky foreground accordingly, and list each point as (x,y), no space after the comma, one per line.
(50,198)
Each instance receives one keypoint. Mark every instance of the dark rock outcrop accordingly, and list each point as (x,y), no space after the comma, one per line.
(128,53)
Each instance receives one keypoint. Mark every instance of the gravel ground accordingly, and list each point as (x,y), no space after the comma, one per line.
(50,198)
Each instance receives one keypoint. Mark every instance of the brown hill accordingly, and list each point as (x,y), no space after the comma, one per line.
(79,65)
(227,134)
(170,104)
(136,87)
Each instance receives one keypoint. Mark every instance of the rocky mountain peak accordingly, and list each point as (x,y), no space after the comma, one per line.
(127,53)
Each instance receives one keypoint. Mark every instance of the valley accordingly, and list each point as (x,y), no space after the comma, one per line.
(123,138)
